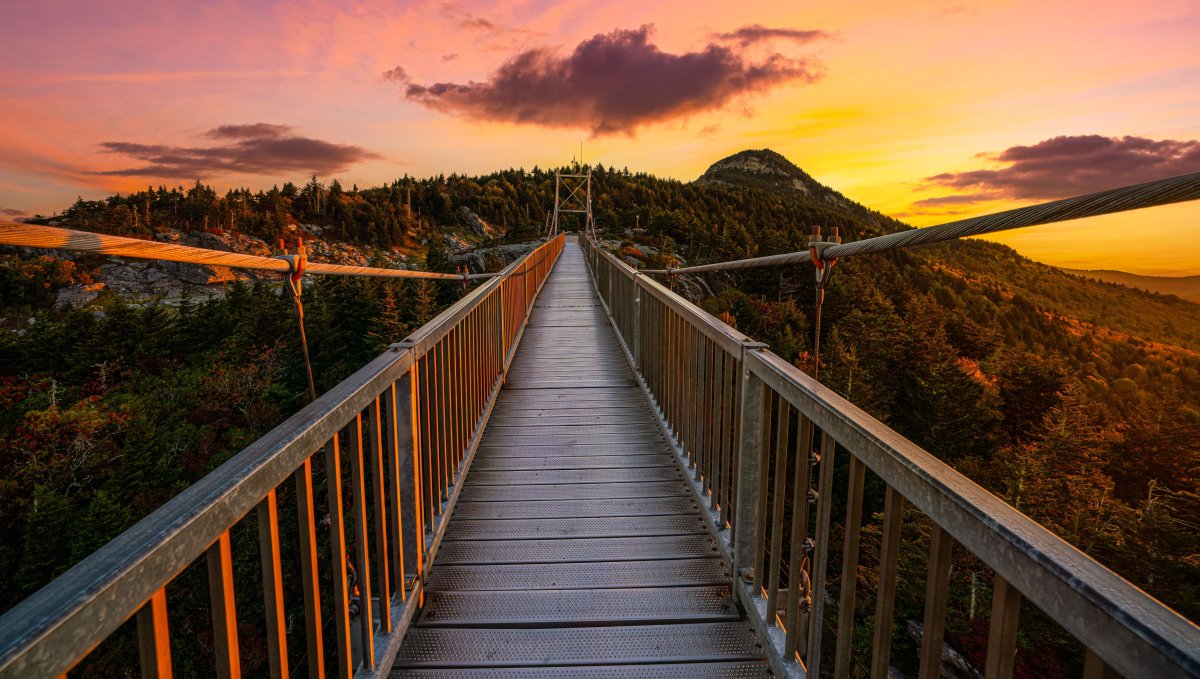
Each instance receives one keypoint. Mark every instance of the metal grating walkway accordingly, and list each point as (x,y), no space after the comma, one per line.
(576,548)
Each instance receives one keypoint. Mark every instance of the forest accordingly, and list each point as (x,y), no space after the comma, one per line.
(1077,402)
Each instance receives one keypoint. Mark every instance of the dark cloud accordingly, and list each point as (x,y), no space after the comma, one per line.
(613,82)
(450,57)
(1074,165)
(260,148)
(756,33)
(11,212)
(397,75)
(251,131)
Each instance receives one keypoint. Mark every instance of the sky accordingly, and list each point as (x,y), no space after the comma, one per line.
(926,111)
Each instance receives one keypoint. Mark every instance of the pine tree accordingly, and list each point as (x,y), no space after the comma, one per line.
(45,547)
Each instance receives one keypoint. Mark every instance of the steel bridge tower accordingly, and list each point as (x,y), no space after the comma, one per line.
(577,200)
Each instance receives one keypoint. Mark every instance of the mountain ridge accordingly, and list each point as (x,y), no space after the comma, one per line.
(1184,287)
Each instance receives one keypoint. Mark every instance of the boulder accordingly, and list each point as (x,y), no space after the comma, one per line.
(476,223)
(78,295)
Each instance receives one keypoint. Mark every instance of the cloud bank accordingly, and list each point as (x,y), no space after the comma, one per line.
(1071,165)
(258,148)
(614,83)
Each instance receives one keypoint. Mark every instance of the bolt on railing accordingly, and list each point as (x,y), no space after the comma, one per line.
(404,427)
(761,437)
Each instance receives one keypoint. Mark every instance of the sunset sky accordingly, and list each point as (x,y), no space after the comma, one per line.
(928,111)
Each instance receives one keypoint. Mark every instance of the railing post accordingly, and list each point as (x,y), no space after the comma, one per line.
(745,517)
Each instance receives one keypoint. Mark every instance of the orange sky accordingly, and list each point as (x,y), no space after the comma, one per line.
(887,95)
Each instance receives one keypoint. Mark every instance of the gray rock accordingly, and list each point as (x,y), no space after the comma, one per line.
(77,295)
(476,223)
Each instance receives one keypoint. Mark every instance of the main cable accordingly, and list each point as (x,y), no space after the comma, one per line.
(1150,194)
(55,238)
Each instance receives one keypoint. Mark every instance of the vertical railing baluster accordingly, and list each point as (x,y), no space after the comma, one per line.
(362,565)
(409,443)
(764,487)
(154,637)
(782,427)
(379,504)
(1002,632)
(272,575)
(310,584)
(702,408)
(337,549)
(1095,668)
(797,553)
(224,610)
(716,499)
(820,557)
(885,598)
(395,507)
(849,586)
(428,463)
(733,455)
(695,377)
(442,400)
(937,581)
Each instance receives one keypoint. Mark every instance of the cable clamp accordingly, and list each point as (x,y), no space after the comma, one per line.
(296,264)
(817,245)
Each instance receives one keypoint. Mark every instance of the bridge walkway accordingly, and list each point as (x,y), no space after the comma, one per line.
(576,548)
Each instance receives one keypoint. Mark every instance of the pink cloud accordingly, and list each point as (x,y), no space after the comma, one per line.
(613,82)
(1071,165)
(258,148)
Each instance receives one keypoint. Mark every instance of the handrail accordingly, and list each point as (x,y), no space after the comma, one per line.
(733,409)
(408,422)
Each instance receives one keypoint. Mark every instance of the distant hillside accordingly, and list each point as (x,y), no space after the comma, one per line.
(1187,287)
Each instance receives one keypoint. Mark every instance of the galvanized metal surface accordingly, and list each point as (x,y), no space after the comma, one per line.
(575,515)
(708,670)
(580,491)
(575,508)
(594,575)
(530,608)
(598,527)
(443,647)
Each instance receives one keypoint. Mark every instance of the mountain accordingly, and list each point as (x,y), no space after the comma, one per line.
(1187,287)
(766,170)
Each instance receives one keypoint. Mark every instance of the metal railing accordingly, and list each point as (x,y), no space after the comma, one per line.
(408,423)
(761,438)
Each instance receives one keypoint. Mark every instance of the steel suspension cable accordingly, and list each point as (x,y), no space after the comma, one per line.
(54,238)
(1151,194)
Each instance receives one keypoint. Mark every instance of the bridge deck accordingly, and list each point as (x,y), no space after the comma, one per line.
(576,549)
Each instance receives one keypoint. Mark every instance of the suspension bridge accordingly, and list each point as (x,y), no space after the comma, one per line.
(575,472)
